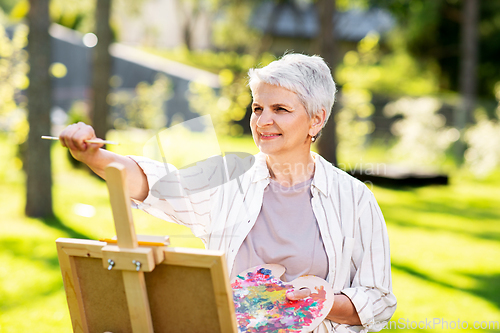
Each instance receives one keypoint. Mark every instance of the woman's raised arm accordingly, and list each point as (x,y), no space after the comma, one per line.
(74,137)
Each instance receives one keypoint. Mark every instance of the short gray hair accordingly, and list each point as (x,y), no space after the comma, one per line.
(307,76)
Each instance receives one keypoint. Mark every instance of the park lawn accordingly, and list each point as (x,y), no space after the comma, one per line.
(445,250)
(445,243)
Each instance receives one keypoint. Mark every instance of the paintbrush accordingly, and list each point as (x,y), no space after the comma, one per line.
(46,137)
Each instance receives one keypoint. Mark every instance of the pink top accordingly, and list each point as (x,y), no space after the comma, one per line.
(285,233)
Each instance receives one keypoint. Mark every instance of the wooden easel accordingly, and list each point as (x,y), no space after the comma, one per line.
(143,289)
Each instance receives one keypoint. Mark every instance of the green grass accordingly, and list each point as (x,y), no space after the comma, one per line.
(445,242)
(445,251)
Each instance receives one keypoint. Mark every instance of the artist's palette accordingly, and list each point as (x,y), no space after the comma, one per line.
(261,304)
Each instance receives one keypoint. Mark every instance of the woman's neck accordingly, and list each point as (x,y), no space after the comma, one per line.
(291,171)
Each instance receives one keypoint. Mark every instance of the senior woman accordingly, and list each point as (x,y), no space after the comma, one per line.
(289,206)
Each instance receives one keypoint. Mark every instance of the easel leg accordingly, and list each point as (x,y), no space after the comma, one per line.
(137,299)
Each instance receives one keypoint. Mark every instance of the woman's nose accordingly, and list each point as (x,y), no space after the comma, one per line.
(265,118)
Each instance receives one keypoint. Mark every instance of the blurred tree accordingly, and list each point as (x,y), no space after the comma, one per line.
(231,31)
(7,5)
(38,165)
(422,135)
(370,70)
(73,14)
(234,32)
(483,141)
(267,38)
(13,80)
(432,31)
(101,69)
(145,108)
(228,107)
(328,48)
(464,37)
(468,66)
(190,11)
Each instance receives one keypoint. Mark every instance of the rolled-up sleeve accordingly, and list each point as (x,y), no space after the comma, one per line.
(198,195)
(179,196)
(370,289)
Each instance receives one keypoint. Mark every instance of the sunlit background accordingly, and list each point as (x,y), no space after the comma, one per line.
(416,118)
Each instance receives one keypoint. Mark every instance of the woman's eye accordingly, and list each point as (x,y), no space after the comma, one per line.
(256,110)
(282,110)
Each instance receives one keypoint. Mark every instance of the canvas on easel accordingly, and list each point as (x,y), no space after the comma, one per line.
(132,288)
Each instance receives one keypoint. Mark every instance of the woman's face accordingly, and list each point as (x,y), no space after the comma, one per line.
(279,122)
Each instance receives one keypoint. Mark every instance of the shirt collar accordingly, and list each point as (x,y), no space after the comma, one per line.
(261,171)
(320,180)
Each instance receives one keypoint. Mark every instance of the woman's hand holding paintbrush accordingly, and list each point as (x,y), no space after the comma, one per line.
(82,142)
(84,146)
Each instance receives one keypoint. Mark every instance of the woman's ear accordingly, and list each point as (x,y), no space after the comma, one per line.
(317,122)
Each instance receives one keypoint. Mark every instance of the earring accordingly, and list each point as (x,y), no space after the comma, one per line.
(313,139)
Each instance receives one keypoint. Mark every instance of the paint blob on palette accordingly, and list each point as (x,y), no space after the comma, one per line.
(261,305)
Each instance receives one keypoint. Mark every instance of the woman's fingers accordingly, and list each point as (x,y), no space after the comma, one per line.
(296,294)
(84,132)
(67,137)
(66,134)
(75,135)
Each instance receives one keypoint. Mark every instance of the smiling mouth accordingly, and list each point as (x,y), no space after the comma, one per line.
(269,136)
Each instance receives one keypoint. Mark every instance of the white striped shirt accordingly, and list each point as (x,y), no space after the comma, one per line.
(350,221)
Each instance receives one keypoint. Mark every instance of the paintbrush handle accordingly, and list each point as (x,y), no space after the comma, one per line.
(46,137)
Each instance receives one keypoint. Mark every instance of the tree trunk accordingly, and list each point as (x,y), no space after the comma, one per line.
(186,33)
(468,67)
(328,49)
(101,69)
(189,11)
(39,93)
